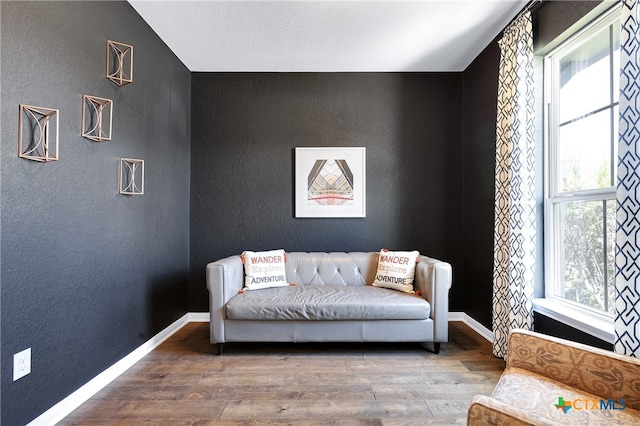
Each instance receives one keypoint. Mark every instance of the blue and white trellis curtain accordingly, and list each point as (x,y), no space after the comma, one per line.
(514,225)
(627,320)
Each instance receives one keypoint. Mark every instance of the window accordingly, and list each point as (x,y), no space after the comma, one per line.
(581,95)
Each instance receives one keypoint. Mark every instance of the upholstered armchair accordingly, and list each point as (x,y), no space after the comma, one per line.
(550,381)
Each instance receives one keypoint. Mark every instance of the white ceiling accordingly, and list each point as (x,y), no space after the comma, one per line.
(332,36)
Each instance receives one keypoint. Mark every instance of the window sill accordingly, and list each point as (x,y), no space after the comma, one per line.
(577,318)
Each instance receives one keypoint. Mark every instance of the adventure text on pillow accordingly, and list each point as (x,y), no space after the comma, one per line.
(396,270)
(264,269)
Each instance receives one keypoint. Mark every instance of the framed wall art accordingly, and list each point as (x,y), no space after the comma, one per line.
(330,182)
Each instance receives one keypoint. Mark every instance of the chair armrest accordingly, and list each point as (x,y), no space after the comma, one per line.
(224,280)
(491,412)
(433,279)
(593,370)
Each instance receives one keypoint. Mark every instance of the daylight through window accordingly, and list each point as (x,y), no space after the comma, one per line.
(581,94)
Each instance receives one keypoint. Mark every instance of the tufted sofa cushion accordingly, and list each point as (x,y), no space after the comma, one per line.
(355,268)
(327,302)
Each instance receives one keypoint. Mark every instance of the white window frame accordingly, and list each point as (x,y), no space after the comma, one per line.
(582,317)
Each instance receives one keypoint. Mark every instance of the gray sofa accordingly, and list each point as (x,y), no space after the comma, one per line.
(330,303)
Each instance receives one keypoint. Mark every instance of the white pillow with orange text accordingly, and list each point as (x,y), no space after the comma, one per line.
(264,269)
(396,270)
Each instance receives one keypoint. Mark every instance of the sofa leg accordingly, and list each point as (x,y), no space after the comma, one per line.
(436,347)
(218,348)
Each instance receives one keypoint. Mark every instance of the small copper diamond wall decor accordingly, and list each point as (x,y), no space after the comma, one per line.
(131,176)
(96,118)
(119,63)
(38,133)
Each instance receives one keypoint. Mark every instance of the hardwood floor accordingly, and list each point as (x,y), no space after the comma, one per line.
(181,383)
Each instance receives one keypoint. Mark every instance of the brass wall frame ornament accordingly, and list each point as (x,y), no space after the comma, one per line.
(119,62)
(36,126)
(131,181)
(97,114)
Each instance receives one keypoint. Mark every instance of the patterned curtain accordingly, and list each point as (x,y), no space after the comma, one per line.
(627,320)
(514,225)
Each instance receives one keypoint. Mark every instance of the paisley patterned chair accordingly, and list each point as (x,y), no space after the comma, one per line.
(550,381)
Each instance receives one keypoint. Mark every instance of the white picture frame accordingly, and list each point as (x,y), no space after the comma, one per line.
(330,182)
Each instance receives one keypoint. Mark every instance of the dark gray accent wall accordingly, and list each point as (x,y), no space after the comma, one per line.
(88,275)
(245,127)
(555,17)
(546,325)
(480,88)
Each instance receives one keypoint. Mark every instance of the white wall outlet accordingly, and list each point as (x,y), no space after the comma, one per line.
(21,364)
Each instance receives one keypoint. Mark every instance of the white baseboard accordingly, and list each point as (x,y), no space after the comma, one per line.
(199,316)
(79,397)
(473,324)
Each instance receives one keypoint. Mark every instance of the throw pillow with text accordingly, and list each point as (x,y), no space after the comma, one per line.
(264,269)
(396,270)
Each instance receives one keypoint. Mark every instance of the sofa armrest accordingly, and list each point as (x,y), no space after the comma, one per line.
(433,280)
(593,370)
(224,280)
(486,411)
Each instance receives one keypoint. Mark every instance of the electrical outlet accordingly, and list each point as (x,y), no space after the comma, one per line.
(21,364)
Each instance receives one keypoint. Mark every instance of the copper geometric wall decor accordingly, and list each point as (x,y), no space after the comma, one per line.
(119,62)
(38,133)
(131,176)
(96,118)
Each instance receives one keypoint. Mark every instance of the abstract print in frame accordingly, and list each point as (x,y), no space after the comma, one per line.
(330,182)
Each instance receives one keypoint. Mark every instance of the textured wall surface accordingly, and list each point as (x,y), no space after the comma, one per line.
(246,126)
(88,274)
(546,325)
(555,17)
(479,134)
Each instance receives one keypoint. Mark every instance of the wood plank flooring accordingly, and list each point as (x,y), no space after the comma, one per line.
(182,383)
